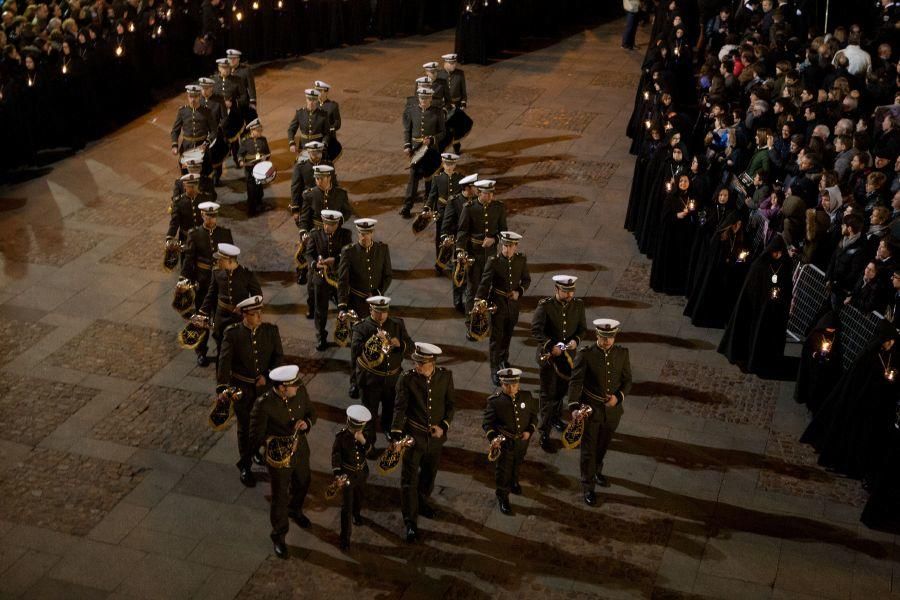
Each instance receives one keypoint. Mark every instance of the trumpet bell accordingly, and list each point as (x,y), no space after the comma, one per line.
(339,483)
(170,255)
(343,328)
(444,256)
(571,437)
(422,221)
(280,450)
(184,298)
(392,456)
(192,335)
(220,414)
(479,327)
(461,269)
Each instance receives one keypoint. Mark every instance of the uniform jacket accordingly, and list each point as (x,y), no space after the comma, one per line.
(419,124)
(423,402)
(196,126)
(363,272)
(184,215)
(273,415)
(315,201)
(309,127)
(554,322)
(443,187)
(503,275)
(326,246)
(228,288)
(510,416)
(248,353)
(597,374)
(198,253)
(348,456)
(456,86)
(390,366)
(478,221)
(249,148)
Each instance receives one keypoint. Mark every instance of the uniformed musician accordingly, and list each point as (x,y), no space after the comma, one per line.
(227,85)
(441,97)
(333,110)
(424,410)
(325,195)
(250,349)
(211,100)
(348,458)
(200,246)
(192,162)
(323,253)
(243,72)
(479,229)
(423,124)
(194,124)
(503,282)
(450,228)
(601,378)
(377,365)
(557,325)
(444,186)
(310,123)
(184,212)
(253,149)
(302,177)
(456,85)
(285,410)
(364,270)
(231,283)
(510,419)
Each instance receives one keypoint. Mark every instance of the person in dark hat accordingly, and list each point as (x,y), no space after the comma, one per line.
(510,419)
(601,378)
(200,246)
(503,282)
(558,325)
(377,347)
(348,459)
(283,413)
(754,337)
(250,350)
(424,410)
(323,253)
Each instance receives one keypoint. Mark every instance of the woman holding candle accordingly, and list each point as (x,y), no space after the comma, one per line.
(677,229)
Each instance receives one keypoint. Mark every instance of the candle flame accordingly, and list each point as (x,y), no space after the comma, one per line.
(239,16)
(256,6)
(119,50)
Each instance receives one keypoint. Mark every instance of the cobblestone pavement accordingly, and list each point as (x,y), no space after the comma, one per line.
(112,484)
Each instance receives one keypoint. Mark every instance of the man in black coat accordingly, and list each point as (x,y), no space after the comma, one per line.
(848,261)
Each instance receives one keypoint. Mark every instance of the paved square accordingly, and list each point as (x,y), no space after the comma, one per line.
(30,409)
(18,336)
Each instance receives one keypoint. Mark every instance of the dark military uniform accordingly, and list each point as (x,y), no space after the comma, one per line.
(509,416)
(184,215)
(441,97)
(333,110)
(309,127)
(477,222)
(597,374)
(226,290)
(230,87)
(206,188)
(450,226)
(363,273)
(246,354)
(196,126)
(348,457)
(554,322)
(421,403)
(443,187)
(243,73)
(273,415)
(315,200)
(253,150)
(456,86)
(322,245)
(418,125)
(503,276)
(378,383)
(302,179)
(216,106)
(198,264)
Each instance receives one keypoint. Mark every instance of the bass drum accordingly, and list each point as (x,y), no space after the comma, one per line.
(264,172)
(459,124)
(428,164)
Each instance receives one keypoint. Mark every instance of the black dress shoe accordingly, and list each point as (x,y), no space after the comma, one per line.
(559,425)
(300,519)
(516,489)
(281,549)
(590,499)
(322,346)
(503,502)
(545,443)
(202,360)
(405,213)
(426,510)
(310,314)
(354,392)
(460,308)
(247,477)
(258,459)
(344,545)
(411,533)
(438,271)
(601,480)
(357,520)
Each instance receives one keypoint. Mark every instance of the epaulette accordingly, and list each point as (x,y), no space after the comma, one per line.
(232,326)
(543,301)
(468,202)
(519,254)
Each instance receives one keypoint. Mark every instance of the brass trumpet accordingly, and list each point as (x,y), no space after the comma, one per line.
(339,483)
(184,298)
(375,349)
(461,269)
(496,448)
(479,326)
(280,449)
(343,326)
(392,456)
(194,332)
(423,220)
(301,264)
(563,364)
(571,437)
(445,252)
(325,273)
(223,408)
(171,253)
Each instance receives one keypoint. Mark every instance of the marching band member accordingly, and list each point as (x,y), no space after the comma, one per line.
(480,224)
(450,227)
(253,149)
(444,185)
(323,252)
(423,124)
(348,459)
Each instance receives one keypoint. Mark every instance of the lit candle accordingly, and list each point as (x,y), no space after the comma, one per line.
(692,205)
(30,82)
(677,50)
(280,4)
(256,6)
(239,16)
(742,256)
(825,347)
(119,50)
(64,70)
(169,14)
(647,123)
(159,30)
(668,186)
(131,27)
(890,374)
(646,95)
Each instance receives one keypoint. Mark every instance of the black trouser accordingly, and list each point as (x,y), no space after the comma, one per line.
(439,218)
(242,410)
(412,187)
(506,469)
(458,294)
(203,279)
(420,465)
(254,194)
(289,487)
(598,433)
(361,307)
(502,324)
(321,294)
(553,390)
(377,393)
(473,277)
(353,496)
